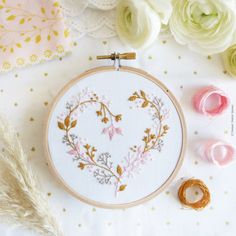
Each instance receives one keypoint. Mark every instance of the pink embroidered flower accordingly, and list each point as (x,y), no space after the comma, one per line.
(111,131)
(75,150)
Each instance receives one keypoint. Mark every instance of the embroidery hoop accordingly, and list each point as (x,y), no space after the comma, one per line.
(137,72)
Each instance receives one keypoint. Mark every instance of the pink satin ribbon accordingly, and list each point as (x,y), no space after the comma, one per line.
(211,101)
(217,152)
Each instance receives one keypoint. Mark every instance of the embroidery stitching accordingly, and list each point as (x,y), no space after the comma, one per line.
(102,165)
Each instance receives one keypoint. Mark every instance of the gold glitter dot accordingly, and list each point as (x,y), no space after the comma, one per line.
(31,119)
(16,75)
(15,104)
(196,162)
(225,72)
(164,42)
(31,90)
(45,103)
(209,57)
(195,72)
(150,57)
(60,58)
(64,209)
(75,44)
(90,58)
(179,57)
(49,194)
(104,42)
(94,209)
(79,225)
(196,192)
(165,72)
(167,192)
(45,74)
(33,149)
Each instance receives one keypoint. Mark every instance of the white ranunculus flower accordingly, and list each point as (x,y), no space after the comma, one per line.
(207,26)
(229,58)
(139,21)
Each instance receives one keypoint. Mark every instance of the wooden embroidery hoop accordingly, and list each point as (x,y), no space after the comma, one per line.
(117,66)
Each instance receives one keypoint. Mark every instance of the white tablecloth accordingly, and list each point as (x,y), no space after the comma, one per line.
(25,97)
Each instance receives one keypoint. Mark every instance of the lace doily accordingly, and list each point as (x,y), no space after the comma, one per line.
(95,18)
(103,4)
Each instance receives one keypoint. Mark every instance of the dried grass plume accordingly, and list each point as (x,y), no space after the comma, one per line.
(21,202)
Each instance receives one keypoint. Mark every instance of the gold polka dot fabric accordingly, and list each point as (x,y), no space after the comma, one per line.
(31,32)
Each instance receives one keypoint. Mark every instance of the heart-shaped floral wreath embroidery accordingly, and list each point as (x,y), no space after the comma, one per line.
(85,155)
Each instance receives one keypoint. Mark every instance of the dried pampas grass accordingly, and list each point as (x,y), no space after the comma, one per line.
(21,202)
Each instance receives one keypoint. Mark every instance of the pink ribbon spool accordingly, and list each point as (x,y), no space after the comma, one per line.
(211,101)
(218,152)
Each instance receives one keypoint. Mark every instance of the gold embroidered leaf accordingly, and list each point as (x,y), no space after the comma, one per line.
(43,10)
(119,170)
(81,165)
(67,121)
(73,123)
(37,39)
(132,98)
(11,17)
(4,1)
(142,93)
(1,6)
(145,104)
(22,21)
(122,187)
(18,45)
(12,50)
(55,32)
(27,39)
(60,125)
(66,33)
(49,37)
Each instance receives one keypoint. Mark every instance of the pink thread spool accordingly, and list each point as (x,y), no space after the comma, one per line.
(211,101)
(217,152)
